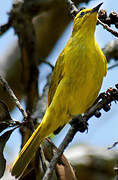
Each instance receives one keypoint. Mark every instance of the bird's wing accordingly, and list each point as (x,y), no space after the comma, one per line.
(57,76)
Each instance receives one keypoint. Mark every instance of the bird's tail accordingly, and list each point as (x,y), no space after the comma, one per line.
(28,151)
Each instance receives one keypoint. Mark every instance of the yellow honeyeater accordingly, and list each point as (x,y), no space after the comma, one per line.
(75,84)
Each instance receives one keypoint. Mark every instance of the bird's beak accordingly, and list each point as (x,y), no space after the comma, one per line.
(96,8)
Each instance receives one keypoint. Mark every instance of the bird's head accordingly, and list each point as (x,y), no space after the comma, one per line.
(86,19)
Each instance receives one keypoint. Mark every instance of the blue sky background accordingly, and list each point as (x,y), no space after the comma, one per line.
(103,131)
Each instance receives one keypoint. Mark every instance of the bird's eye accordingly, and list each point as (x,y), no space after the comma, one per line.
(81,14)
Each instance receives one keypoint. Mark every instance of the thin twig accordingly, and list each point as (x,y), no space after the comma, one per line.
(5,27)
(48,63)
(13,97)
(73,130)
(115,33)
(113,145)
(43,160)
(68,138)
(113,66)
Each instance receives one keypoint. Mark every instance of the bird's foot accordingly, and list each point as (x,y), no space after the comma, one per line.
(79,123)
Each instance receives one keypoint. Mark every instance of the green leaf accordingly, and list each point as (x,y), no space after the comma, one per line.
(3,139)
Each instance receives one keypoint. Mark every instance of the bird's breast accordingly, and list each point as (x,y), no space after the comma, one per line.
(83,81)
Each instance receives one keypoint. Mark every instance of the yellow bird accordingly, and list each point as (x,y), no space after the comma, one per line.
(75,84)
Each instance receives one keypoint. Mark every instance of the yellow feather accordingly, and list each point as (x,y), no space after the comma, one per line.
(75,84)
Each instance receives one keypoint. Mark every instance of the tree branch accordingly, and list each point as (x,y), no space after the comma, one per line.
(73,10)
(13,97)
(115,33)
(5,27)
(48,63)
(113,66)
(49,25)
(102,17)
(110,95)
(68,138)
(113,145)
(116,171)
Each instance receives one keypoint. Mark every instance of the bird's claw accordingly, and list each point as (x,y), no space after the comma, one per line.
(79,123)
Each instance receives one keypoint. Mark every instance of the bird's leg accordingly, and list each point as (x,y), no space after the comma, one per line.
(79,123)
